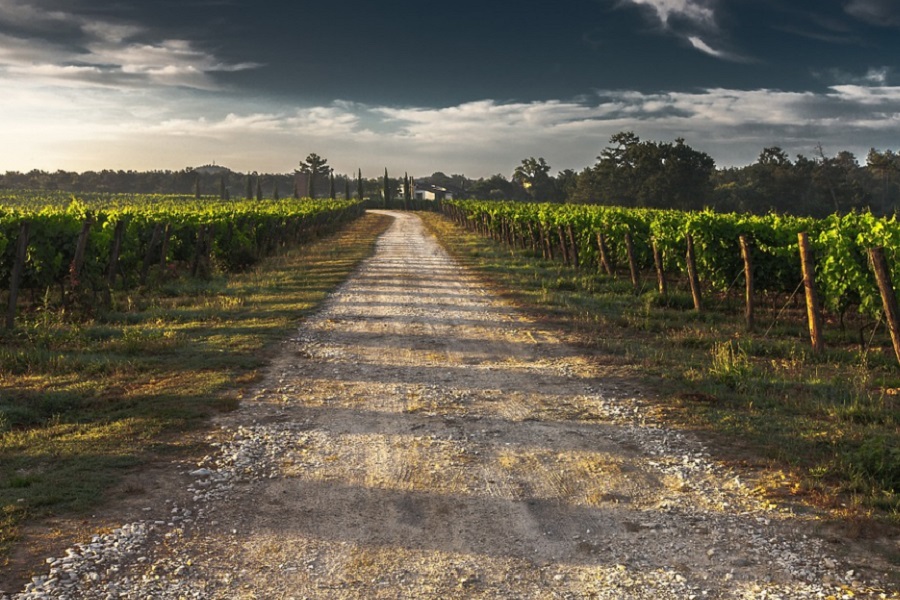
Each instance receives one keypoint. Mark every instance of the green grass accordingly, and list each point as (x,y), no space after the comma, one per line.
(84,400)
(826,424)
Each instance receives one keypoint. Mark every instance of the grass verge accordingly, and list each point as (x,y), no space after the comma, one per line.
(824,430)
(84,401)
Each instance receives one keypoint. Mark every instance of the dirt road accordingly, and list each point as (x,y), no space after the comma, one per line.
(421,439)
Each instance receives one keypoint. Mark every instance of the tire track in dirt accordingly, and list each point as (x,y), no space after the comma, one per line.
(421,439)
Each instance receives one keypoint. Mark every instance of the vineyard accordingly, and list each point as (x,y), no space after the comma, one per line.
(85,247)
(715,252)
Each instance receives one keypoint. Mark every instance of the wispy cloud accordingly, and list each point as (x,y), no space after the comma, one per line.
(696,11)
(815,23)
(702,46)
(338,119)
(874,77)
(48,47)
(875,12)
(694,21)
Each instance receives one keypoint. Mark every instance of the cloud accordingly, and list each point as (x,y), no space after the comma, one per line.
(878,76)
(874,77)
(694,21)
(868,95)
(313,122)
(702,46)
(695,11)
(175,127)
(875,12)
(54,47)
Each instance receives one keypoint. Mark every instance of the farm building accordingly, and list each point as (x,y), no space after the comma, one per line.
(427,191)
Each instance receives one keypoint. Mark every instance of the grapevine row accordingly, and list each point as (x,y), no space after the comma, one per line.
(87,247)
(586,235)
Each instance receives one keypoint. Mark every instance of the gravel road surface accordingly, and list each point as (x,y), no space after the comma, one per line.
(419,438)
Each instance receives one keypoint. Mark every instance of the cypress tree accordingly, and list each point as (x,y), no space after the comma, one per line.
(387,189)
(259,188)
(406,191)
(331,193)
(275,194)
(359,185)
(346,188)
(248,193)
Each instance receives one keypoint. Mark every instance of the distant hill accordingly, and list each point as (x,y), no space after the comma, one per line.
(212,170)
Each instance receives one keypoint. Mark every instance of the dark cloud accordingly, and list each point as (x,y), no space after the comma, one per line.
(44,43)
(875,12)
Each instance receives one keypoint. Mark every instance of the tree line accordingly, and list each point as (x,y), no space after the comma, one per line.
(205,181)
(629,172)
(632,172)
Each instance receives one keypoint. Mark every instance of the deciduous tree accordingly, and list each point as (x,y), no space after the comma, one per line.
(533,176)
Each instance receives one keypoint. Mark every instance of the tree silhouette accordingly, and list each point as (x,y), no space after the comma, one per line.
(314,165)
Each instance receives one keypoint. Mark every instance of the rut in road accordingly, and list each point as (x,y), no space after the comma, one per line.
(422,439)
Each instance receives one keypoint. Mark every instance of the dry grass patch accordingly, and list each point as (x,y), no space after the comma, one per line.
(85,400)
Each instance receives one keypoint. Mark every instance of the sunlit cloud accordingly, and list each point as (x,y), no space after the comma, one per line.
(868,95)
(702,46)
(317,121)
(55,47)
(80,129)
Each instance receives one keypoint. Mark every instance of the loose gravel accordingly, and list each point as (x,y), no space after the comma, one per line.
(420,439)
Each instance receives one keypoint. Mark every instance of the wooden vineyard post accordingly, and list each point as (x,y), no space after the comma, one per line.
(544,243)
(531,237)
(198,250)
(604,254)
(632,264)
(114,254)
(563,245)
(660,273)
(164,250)
(547,246)
(511,240)
(888,296)
(693,278)
(80,249)
(812,298)
(148,256)
(748,279)
(200,265)
(16,276)
(573,246)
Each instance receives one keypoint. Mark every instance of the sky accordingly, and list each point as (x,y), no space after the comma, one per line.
(459,87)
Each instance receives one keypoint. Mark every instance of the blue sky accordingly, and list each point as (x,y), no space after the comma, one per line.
(462,87)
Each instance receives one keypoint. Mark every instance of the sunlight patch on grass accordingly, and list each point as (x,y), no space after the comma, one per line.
(759,397)
(85,397)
